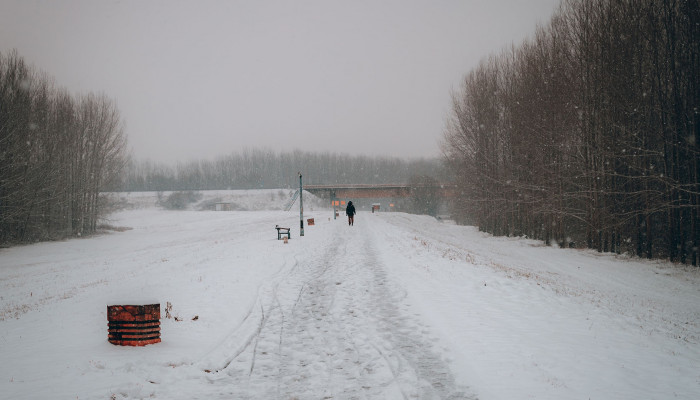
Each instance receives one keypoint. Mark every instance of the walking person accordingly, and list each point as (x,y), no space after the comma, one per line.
(350,211)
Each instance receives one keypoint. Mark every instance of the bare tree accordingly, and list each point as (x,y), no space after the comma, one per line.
(56,154)
(588,132)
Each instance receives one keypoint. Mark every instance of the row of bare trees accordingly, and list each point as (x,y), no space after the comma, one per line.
(56,153)
(587,134)
(260,168)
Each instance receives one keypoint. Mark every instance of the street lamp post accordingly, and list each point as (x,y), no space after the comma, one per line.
(301,207)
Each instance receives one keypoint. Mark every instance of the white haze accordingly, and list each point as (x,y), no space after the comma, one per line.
(201,79)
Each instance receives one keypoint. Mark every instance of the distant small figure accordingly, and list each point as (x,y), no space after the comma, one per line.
(350,211)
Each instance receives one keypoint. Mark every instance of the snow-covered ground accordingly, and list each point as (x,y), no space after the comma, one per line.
(396,307)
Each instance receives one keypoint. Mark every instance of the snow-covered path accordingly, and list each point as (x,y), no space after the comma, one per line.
(330,326)
(396,307)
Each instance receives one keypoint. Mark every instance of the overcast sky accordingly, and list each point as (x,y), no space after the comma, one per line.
(201,79)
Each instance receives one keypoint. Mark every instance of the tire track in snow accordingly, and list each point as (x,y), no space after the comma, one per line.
(331,327)
(419,368)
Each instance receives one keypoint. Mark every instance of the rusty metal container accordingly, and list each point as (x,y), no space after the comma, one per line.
(133,325)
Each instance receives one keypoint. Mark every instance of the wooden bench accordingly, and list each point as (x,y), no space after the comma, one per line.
(282,231)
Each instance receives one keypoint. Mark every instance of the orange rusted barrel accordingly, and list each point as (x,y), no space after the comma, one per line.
(133,325)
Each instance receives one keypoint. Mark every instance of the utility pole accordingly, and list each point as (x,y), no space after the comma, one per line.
(301,207)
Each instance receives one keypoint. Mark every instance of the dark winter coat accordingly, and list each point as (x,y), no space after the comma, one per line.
(350,210)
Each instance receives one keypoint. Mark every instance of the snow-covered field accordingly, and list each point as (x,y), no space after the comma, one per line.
(396,307)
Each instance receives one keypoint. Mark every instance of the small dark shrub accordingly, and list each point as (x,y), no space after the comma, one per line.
(180,200)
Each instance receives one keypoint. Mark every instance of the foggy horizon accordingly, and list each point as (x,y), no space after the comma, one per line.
(204,80)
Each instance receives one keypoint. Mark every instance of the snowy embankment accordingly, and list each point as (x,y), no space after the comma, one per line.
(397,306)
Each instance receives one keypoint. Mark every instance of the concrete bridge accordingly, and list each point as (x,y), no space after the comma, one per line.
(374,191)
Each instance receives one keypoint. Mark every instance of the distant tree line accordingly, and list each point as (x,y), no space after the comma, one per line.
(57,152)
(588,132)
(266,169)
